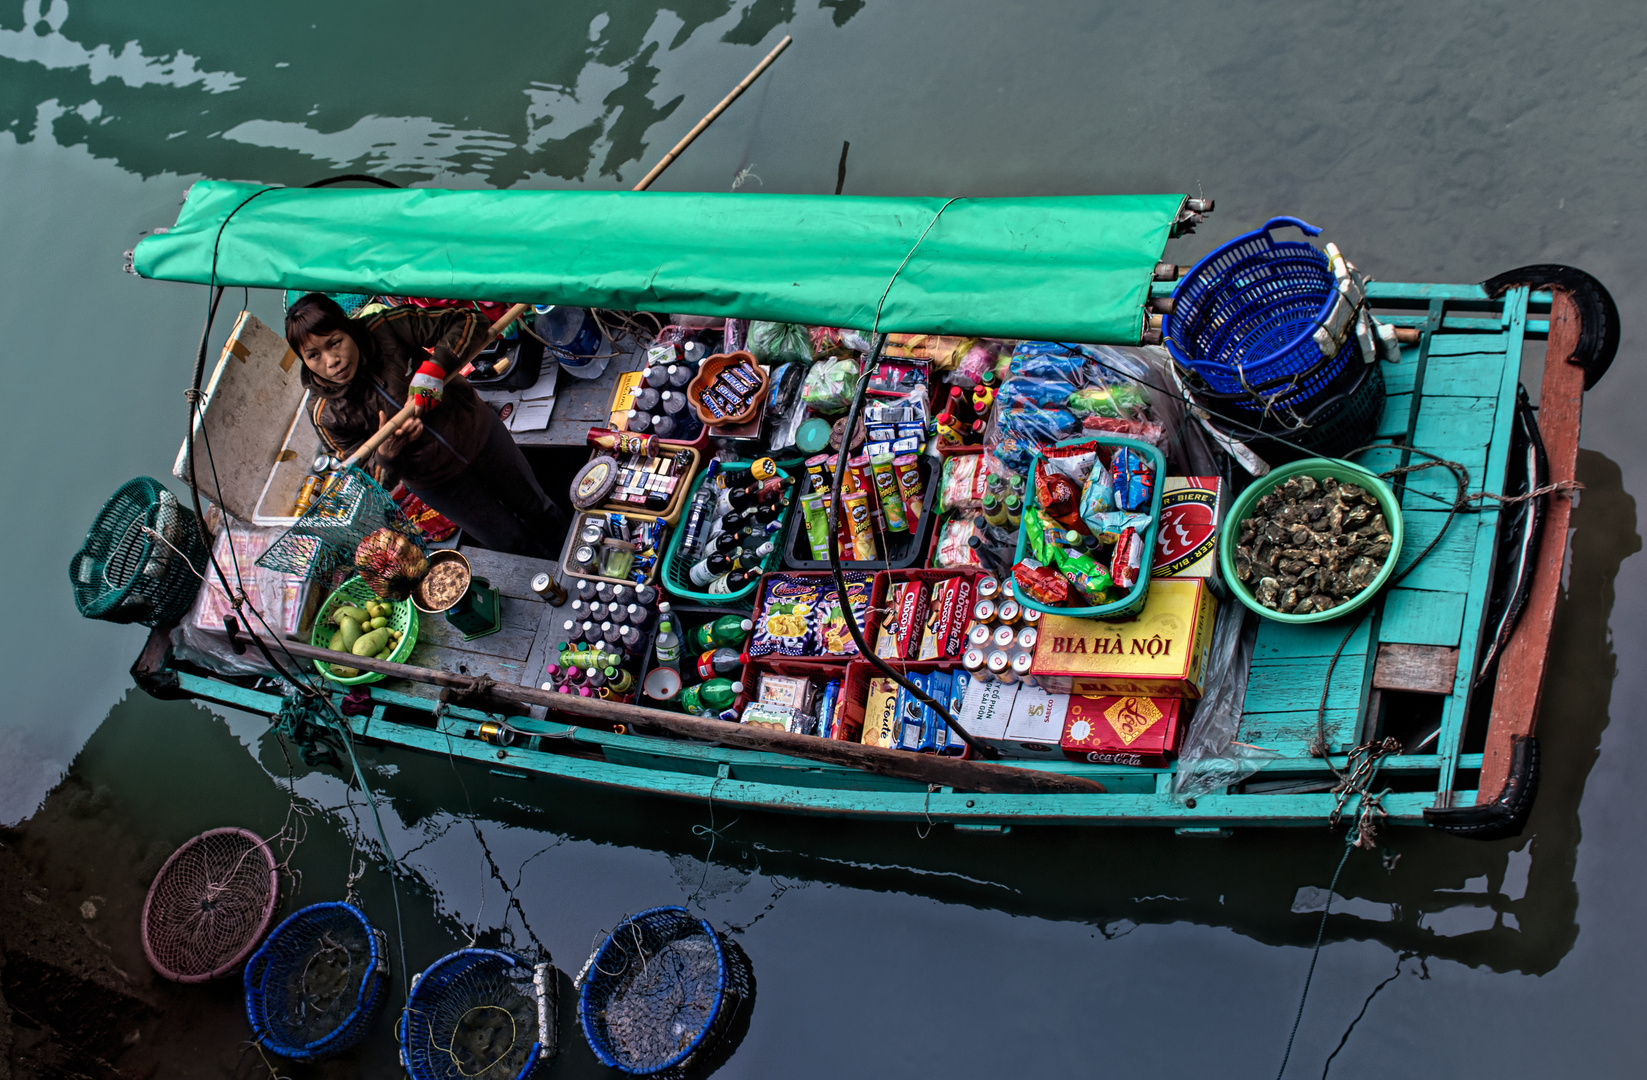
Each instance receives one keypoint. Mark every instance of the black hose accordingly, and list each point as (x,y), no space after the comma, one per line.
(847,613)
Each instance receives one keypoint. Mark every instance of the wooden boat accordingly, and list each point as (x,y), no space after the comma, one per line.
(1487,589)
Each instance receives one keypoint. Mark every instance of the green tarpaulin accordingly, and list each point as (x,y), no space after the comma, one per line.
(1072,268)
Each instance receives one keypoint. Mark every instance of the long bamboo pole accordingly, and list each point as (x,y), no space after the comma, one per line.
(748,81)
(975,776)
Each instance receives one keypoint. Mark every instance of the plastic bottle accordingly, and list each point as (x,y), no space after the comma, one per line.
(719,662)
(663,425)
(994,510)
(673,402)
(679,375)
(656,376)
(1014,509)
(667,647)
(726,632)
(710,696)
(646,596)
(639,421)
(585,589)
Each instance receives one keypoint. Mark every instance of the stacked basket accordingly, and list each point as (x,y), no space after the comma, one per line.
(1245,333)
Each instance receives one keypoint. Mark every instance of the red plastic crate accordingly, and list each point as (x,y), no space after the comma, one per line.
(871,623)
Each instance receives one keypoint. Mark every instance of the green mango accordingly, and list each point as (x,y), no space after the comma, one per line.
(371,643)
(351,633)
(344,672)
(336,644)
(379,623)
(349,611)
(385,654)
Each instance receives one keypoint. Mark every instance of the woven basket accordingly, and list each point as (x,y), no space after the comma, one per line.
(142,560)
(300,1004)
(444,1029)
(209,905)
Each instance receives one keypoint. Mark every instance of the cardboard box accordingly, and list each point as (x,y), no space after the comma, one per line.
(881,714)
(1035,723)
(1162,653)
(1192,510)
(985,708)
(1122,730)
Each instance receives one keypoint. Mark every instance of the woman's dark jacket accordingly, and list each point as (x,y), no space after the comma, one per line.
(392,345)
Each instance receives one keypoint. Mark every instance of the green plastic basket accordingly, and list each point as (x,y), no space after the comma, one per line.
(1317,469)
(355,591)
(142,559)
(674,574)
(1133,601)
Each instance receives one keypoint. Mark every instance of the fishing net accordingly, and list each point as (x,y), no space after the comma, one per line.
(142,560)
(209,905)
(314,986)
(479,1013)
(659,993)
(349,508)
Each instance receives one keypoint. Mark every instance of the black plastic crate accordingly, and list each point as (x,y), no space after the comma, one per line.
(904,549)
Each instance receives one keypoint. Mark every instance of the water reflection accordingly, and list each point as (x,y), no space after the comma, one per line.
(574,102)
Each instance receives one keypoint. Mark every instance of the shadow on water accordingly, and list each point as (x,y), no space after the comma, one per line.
(553,104)
(156,773)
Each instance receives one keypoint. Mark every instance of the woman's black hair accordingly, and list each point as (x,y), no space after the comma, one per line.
(317,314)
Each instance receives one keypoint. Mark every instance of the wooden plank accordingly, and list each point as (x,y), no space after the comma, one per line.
(511,575)
(1448,567)
(509,643)
(1435,488)
(1394,419)
(1295,682)
(581,404)
(1423,669)
(1519,689)
(1462,344)
(1448,374)
(1453,422)
(1284,640)
(463,662)
(1455,708)
(1290,734)
(1422,617)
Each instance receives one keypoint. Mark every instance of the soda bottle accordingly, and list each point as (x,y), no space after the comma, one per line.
(667,647)
(728,631)
(719,662)
(710,696)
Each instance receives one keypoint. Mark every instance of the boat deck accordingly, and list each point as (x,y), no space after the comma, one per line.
(1453,394)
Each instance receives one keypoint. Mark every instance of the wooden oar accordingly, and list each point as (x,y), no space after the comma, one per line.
(978,776)
(748,80)
(410,409)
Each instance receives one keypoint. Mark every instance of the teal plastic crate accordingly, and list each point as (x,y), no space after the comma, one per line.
(675,569)
(1133,602)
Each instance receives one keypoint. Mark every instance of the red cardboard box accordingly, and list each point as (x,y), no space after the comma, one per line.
(1192,509)
(1122,730)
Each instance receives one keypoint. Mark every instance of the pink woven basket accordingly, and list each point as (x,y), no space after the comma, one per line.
(210,905)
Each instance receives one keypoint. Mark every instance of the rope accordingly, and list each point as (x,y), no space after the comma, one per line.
(876,328)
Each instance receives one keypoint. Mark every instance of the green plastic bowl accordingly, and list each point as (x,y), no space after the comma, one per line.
(1318,469)
(355,591)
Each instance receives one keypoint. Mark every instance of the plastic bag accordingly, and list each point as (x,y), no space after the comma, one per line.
(1210,758)
(830,385)
(780,343)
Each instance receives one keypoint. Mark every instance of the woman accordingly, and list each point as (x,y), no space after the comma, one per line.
(457,456)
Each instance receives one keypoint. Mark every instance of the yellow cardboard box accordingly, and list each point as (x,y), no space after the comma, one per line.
(1162,653)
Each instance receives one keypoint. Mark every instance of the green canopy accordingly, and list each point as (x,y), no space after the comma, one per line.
(1071,268)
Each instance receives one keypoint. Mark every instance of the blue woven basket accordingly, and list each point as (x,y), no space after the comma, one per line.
(623,980)
(1245,315)
(481,1014)
(314,987)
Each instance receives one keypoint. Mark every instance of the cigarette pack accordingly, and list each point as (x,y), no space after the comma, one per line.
(1122,730)
(1162,653)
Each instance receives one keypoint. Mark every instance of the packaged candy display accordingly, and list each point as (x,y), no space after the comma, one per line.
(634,471)
(727,389)
(883,509)
(617,547)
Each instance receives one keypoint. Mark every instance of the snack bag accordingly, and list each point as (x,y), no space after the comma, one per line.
(962,484)
(1134,480)
(830,385)
(785,625)
(1098,498)
(1040,583)
(834,639)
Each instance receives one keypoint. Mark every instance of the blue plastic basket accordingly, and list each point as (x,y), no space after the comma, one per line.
(683,1011)
(1246,314)
(299,1005)
(461,1000)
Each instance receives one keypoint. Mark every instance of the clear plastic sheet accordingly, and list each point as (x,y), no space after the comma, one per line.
(1211,759)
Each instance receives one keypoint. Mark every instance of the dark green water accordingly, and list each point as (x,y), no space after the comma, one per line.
(1433,142)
